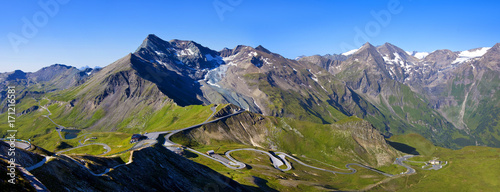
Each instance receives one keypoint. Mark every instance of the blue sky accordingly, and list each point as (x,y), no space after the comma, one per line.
(96,33)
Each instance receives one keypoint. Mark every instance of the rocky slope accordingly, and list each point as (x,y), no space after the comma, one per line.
(171,173)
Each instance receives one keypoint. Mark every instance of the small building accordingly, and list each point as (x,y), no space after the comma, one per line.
(136,138)
(211,152)
(434,162)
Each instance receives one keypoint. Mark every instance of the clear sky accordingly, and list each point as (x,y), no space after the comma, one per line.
(96,33)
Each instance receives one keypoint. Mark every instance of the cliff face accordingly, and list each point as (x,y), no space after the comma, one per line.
(371,141)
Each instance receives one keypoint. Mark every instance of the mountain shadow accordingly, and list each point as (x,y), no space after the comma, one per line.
(403,148)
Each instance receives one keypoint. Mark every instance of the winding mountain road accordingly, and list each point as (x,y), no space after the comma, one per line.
(231,164)
(399,161)
(105,146)
(277,162)
(39,164)
(282,161)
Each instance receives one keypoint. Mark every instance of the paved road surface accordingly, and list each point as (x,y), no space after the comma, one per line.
(232,164)
(22,145)
(39,164)
(19,143)
(400,160)
(276,161)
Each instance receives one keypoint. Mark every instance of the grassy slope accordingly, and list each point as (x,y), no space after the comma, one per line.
(473,168)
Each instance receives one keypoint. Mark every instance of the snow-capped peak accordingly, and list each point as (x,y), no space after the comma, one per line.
(464,56)
(420,55)
(299,57)
(350,52)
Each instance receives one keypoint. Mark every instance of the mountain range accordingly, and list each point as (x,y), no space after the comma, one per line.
(451,98)
(359,99)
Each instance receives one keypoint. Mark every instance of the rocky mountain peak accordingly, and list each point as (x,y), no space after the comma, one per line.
(260,48)
(17,74)
(388,48)
(441,57)
(394,54)
(495,50)
(367,53)
(366,46)
(491,58)
(181,56)
(153,42)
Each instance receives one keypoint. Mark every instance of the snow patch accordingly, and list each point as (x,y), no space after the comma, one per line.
(266,61)
(397,59)
(468,55)
(229,60)
(159,53)
(217,59)
(184,52)
(420,55)
(215,75)
(350,52)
